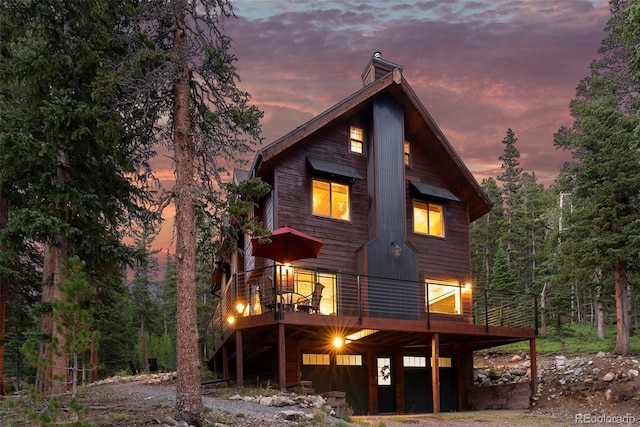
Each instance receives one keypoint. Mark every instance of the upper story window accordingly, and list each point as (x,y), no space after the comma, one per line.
(428,218)
(330,199)
(357,140)
(407,153)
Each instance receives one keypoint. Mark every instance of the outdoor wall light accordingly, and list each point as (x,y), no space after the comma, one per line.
(467,286)
(240,306)
(338,342)
(396,249)
(231,320)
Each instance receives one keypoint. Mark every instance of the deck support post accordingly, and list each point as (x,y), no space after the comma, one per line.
(225,361)
(282,360)
(435,372)
(534,367)
(239,360)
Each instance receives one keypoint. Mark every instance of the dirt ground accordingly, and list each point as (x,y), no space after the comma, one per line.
(572,392)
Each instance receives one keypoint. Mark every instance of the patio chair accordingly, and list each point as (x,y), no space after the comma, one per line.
(311,304)
(267,294)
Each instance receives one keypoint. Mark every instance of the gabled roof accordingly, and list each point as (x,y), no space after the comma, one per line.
(418,121)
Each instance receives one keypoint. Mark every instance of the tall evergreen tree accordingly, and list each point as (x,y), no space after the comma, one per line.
(486,235)
(83,176)
(143,291)
(530,230)
(185,75)
(504,283)
(511,179)
(606,171)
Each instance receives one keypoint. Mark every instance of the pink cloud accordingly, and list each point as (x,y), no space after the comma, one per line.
(478,67)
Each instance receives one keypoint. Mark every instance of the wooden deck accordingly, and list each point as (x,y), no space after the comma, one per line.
(483,320)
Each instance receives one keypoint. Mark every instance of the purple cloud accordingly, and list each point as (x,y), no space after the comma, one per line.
(479,67)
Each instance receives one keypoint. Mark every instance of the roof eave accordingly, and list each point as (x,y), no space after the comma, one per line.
(318,122)
(483,204)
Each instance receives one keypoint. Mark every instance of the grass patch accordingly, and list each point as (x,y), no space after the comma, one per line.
(572,340)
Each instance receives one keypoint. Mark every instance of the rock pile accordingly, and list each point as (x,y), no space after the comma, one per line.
(518,371)
(603,376)
(144,378)
(284,399)
(290,399)
(585,378)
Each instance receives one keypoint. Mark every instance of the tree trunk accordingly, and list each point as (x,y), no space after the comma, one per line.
(543,311)
(143,343)
(622,310)
(4,291)
(58,376)
(59,253)
(600,313)
(600,319)
(189,406)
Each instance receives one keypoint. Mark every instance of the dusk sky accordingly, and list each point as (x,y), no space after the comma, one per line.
(479,67)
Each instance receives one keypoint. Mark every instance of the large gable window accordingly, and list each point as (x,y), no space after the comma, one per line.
(428,218)
(330,199)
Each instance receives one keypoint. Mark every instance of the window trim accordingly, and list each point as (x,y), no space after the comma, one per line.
(406,153)
(457,296)
(428,203)
(331,182)
(349,359)
(316,359)
(356,140)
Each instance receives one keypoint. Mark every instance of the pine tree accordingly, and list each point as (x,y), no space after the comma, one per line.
(511,179)
(504,282)
(143,290)
(606,170)
(486,235)
(73,317)
(83,178)
(529,230)
(184,74)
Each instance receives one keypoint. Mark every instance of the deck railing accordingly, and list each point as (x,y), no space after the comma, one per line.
(279,290)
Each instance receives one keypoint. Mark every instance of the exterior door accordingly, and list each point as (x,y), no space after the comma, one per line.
(386,389)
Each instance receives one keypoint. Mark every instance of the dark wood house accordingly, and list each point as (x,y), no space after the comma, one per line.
(387,312)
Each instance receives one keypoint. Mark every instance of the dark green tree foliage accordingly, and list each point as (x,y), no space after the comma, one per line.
(74,318)
(511,171)
(118,328)
(511,179)
(166,338)
(144,291)
(81,177)
(504,283)
(629,29)
(167,297)
(184,74)
(23,286)
(605,224)
(531,205)
(485,236)
(57,53)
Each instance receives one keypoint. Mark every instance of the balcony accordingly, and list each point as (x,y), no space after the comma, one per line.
(281,290)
